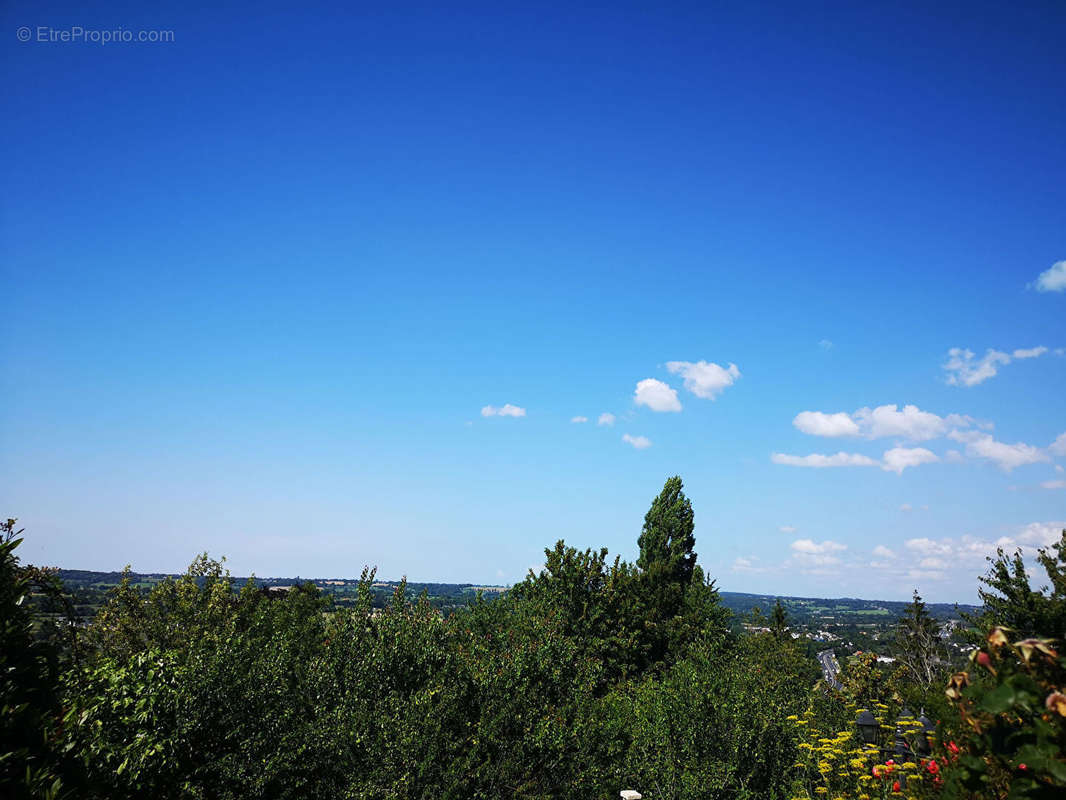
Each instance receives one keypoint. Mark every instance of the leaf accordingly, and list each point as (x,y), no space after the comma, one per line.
(999,699)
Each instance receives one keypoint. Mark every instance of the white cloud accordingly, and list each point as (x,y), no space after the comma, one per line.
(579,419)
(1058,468)
(606,419)
(964,371)
(825,344)
(906,507)
(1058,447)
(883,552)
(1005,456)
(1052,279)
(927,547)
(817,423)
(817,460)
(808,553)
(787,529)
(954,457)
(656,395)
(639,442)
(1053,485)
(899,458)
(925,574)
(1041,534)
(741,564)
(704,379)
(507,410)
(910,422)
(813,548)
(1032,352)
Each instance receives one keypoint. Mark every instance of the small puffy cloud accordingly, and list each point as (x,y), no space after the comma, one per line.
(899,458)
(1052,279)
(1058,447)
(506,410)
(606,419)
(954,457)
(579,419)
(639,442)
(963,370)
(1053,485)
(818,423)
(1032,352)
(811,547)
(741,564)
(818,461)
(825,344)
(656,395)
(906,507)
(1005,456)
(810,554)
(704,379)
(787,529)
(883,552)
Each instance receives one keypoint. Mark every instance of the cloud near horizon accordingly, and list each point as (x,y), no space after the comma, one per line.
(815,557)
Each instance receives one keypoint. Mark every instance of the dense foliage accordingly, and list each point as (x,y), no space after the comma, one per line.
(587,677)
(590,676)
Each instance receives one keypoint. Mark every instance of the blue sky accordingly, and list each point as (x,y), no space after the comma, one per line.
(261,281)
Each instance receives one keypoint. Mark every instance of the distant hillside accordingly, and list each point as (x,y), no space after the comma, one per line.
(807,610)
(92,586)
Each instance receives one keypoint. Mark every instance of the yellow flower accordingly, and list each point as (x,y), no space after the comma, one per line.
(909,765)
(821,790)
(792,718)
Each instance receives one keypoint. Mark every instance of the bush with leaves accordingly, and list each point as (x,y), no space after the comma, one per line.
(33,653)
(1011,736)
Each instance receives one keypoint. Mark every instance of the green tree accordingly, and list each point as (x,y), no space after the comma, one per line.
(918,644)
(779,620)
(1011,602)
(667,539)
(32,656)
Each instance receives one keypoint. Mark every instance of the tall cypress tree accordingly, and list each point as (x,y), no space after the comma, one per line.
(666,540)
